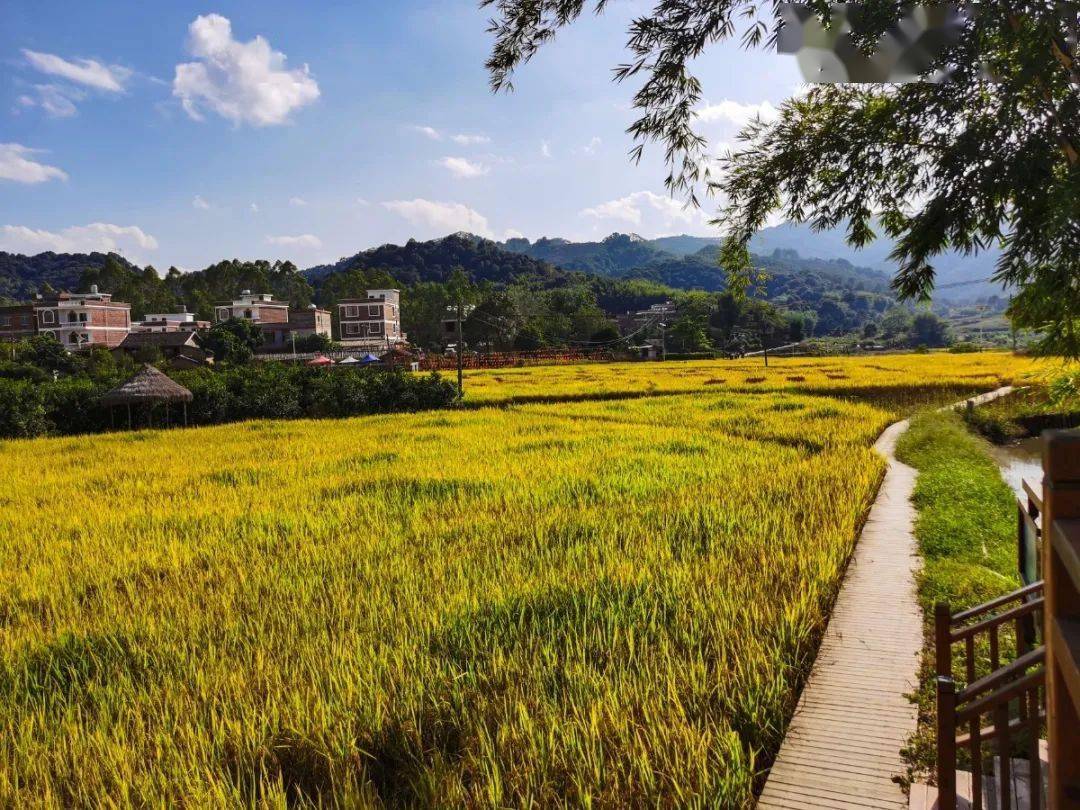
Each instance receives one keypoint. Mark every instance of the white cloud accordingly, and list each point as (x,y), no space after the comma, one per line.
(592,146)
(200,203)
(462,138)
(430,132)
(362,202)
(545,149)
(463,168)
(648,209)
(254,208)
(734,114)
(470,140)
(297,202)
(244,82)
(512,233)
(304,241)
(86,72)
(55,100)
(440,217)
(18,164)
(98,236)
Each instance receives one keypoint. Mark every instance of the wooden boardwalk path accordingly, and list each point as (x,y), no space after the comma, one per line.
(842,747)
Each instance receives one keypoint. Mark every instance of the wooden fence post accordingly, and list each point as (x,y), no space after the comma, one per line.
(946,739)
(1061,502)
(943,639)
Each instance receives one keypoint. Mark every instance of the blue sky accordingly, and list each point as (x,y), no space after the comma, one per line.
(169,132)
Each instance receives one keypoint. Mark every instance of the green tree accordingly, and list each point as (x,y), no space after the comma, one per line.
(935,166)
(233,341)
(927,329)
(45,352)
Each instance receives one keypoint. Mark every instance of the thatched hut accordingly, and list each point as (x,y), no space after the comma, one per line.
(149,387)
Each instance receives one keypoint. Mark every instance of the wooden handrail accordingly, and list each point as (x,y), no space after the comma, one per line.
(1000,618)
(1006,673)
(1015,596)
(1000,697)
(1066,636)
(988,733)
(1034,497)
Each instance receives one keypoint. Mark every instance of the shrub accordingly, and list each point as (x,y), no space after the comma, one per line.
(22,412)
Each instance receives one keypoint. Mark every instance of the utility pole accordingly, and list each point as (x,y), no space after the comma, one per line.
(765,346)
(663,341)
(460,348)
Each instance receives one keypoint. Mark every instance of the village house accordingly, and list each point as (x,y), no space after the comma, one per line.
(81,320)
(260,308)
(179,348)
(371,322)
(17,322)
(279,323)
(302,323)
(182,321)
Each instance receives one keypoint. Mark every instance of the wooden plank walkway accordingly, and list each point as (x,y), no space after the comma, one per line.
(842,747)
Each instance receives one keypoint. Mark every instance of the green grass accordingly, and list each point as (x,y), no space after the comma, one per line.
(966,530)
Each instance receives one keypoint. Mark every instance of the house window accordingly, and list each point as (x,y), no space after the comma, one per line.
(375,329)
(352,312)
(352,328)
(374,312)
(223,314)
(82,317)
(247,314)
(73,338)
(5,320)
(47,316)
(72,318)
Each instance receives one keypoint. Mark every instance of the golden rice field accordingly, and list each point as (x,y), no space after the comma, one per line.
(606,603)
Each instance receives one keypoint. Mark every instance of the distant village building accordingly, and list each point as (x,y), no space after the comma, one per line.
(182,321)
(374,321)
(450,322)
(260,308)
(301,323)
(80,320)
(278,322)
(17,322)
(180,348)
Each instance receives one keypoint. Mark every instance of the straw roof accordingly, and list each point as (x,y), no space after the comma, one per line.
(148,385)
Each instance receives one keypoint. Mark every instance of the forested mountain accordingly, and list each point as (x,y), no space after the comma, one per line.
(613,256)
(952,268)
(21,277)
(434,261)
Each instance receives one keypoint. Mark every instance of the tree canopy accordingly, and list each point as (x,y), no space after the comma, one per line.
(990,156)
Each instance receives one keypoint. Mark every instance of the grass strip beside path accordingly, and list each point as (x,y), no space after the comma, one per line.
(966,530)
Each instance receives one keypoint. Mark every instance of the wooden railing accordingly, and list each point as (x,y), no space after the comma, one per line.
(1029,535)
(1009,696)
(1021,659)
(1061,575)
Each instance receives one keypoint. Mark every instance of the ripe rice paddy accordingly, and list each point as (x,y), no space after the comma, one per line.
(609,601)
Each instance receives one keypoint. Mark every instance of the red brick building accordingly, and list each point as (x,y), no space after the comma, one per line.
(374,321)
(79,320)
(301,323)
(258,308)
(17,322)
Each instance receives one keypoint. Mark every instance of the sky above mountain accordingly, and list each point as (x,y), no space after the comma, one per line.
(179,134)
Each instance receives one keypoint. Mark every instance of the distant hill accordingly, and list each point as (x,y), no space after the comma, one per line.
(616,254)
(952,268)
(435,260)
(21,277)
